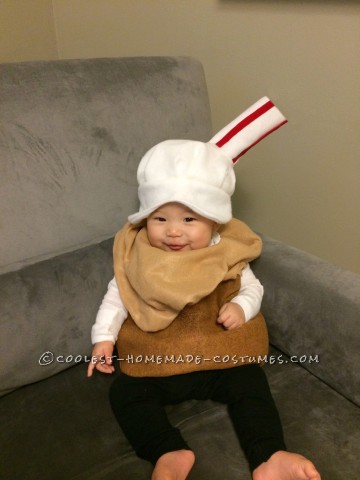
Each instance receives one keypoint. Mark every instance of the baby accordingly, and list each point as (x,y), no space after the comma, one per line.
(183,285)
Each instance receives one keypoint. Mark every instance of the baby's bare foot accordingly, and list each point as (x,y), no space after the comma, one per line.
(286,466)
(174,465)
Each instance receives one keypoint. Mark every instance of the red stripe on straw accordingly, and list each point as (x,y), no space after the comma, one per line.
(244,123)
(258,140)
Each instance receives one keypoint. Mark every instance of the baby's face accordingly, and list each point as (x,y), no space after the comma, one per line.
(175,228)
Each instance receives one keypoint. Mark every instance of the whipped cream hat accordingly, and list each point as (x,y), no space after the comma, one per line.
(201,175)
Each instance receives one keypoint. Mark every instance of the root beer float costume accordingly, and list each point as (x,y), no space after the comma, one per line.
(180,298)
(172,300)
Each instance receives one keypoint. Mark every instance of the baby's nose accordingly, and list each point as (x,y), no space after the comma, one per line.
(174,231)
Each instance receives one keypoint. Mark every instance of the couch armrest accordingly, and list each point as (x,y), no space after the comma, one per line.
(312,309)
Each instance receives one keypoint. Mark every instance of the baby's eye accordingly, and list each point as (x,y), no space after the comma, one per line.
(188,219)
(160,219)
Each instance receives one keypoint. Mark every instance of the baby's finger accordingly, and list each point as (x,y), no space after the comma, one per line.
(225,320)
(103,368)
(223,308)
(90,370)
(230,325)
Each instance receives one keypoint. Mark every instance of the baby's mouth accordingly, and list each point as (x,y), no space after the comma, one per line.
(176,248)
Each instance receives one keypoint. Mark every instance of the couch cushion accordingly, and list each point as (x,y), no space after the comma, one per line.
(63,428)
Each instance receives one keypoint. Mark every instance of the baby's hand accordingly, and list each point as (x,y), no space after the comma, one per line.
(101,358)
(231,315)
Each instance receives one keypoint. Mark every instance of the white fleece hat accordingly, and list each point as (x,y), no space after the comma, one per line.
(201,175)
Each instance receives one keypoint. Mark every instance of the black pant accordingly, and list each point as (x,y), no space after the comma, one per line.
(138,405)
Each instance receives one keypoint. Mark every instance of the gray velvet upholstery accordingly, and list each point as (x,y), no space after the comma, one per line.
(71,135)
(51,303)
(313,309)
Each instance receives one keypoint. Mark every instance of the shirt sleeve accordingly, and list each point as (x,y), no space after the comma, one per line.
(250,294)
(110,317)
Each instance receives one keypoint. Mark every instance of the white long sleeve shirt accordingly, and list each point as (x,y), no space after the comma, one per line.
(112,312)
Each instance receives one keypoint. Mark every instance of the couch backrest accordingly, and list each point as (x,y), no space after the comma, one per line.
(71,136)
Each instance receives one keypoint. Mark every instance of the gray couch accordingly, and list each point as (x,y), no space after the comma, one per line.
(71,136)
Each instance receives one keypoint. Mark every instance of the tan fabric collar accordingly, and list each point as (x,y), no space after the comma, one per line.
(156,285)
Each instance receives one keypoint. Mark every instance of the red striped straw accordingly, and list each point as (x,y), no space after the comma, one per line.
(249,128)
